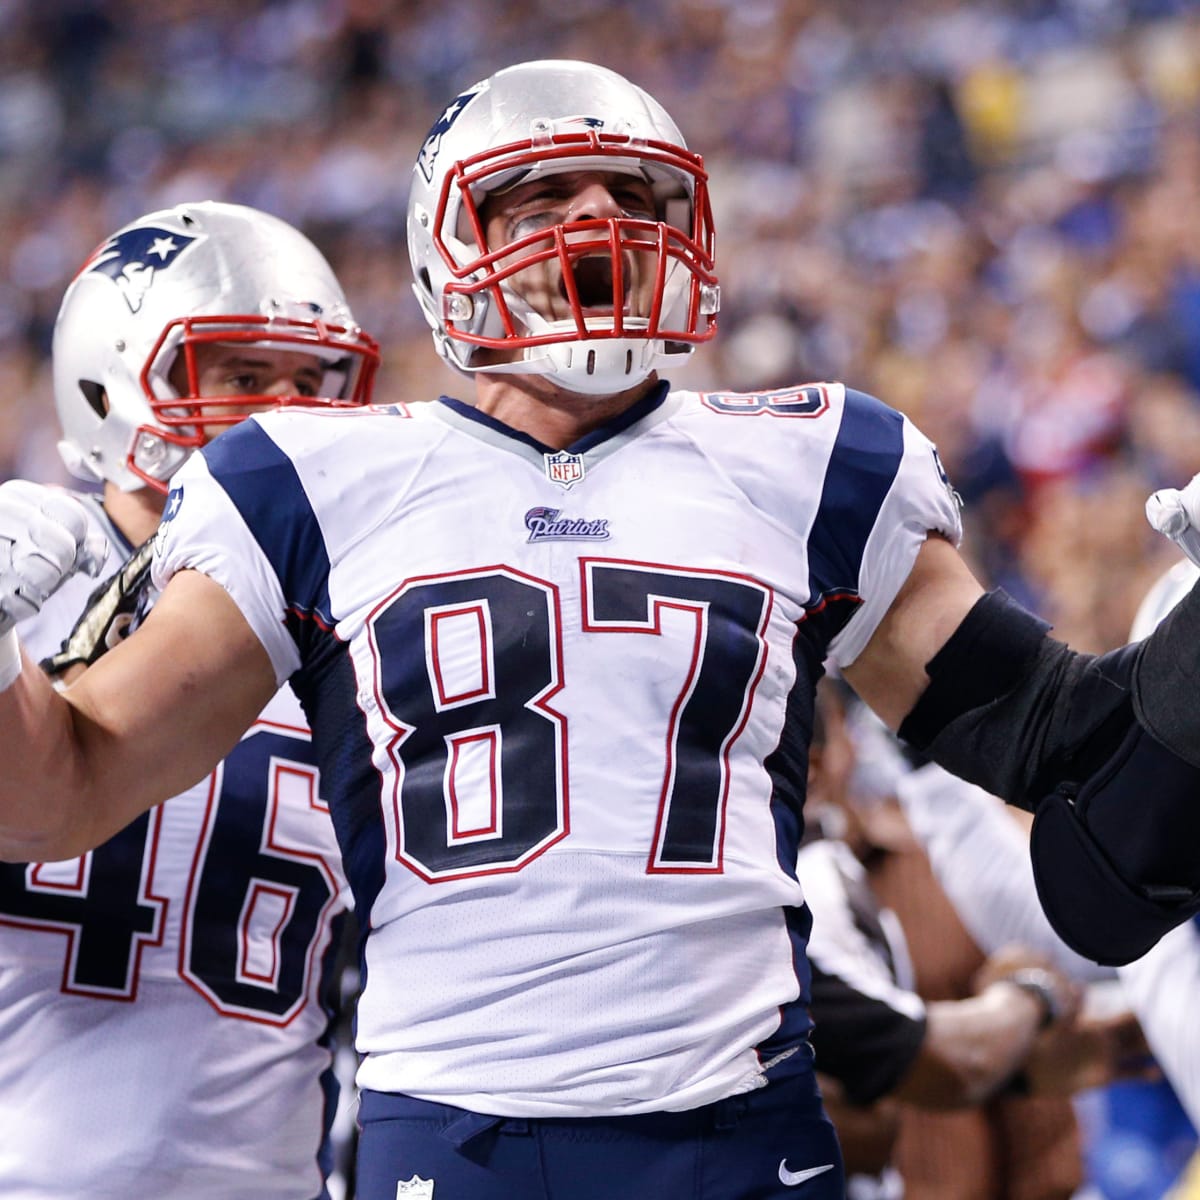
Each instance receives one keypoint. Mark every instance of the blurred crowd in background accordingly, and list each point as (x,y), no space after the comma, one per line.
(987,214)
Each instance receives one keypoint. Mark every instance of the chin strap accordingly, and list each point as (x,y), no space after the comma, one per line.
(77,463)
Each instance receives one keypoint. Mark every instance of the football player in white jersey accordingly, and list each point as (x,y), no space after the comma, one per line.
(165,1007)
(558,647)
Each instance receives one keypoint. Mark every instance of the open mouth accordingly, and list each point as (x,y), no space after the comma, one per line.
(593,277)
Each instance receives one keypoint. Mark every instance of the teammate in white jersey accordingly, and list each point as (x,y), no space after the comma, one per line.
(558,648)
(165,999)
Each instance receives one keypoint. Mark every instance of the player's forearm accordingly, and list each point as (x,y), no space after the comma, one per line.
(43,777)
(972,1047)
(937,595)
(148,720)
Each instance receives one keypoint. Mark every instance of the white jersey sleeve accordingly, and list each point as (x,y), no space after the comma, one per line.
(920,501)
(219,545)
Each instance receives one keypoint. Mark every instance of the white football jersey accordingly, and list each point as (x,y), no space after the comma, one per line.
(164,1008)
(562,704)
(1166,592)
(871,956)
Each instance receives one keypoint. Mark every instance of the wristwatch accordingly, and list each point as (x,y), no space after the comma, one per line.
(1039,982)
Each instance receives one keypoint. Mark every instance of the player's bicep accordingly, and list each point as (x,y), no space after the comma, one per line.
(166,705)
(940,590)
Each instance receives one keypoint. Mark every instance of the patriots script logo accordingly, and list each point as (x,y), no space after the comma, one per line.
(132,259)
(548,523)
(433,139)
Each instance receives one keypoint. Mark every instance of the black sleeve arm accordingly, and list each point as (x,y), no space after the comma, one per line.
(1103,749)
(1015,711)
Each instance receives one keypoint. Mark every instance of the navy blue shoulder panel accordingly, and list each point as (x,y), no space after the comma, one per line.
(263,484)
(862,468)
(327,690)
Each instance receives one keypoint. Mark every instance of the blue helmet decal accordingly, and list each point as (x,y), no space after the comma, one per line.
(133,258)
(433,139)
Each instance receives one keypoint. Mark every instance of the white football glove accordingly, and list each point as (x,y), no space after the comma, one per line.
(1176,514)
(45,537)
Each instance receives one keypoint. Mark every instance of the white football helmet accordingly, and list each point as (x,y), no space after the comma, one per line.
(539,119)
(204,272)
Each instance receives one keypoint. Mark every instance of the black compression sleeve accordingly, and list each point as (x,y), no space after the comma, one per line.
(1105,750)
(1016,712)
(1001,639)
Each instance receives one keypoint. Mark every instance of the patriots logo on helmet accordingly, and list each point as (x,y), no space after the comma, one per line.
(433,139)
(132,259)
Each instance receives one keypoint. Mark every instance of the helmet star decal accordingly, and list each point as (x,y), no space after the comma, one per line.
(433,139)
(202,275)
(131,259)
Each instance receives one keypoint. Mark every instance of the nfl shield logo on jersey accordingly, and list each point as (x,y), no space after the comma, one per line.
(415,1188)
(564,468)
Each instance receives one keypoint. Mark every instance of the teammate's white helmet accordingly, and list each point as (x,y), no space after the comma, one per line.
(538,119)
(204,272)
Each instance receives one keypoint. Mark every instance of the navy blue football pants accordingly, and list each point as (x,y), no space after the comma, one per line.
(772,1144)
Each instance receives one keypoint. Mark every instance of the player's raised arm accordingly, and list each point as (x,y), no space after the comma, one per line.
(151,718)
(1102,749)
(936,597)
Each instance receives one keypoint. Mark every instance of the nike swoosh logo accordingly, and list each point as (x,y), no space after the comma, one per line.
(795,1178)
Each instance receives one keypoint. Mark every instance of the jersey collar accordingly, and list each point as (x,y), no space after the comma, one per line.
(650,403)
